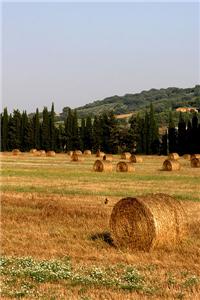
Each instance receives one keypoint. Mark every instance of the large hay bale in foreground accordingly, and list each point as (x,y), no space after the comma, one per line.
(195,162)
(76,157)
(173,156)
(171,165)
(108,157)
(102,166)
(87,152)
(123,166)
(148,222)
(16,152)
(125,155)
(136,159)
(100,153)
(51,153)
(194,156)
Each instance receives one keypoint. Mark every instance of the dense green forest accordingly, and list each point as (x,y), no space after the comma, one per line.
(140,134)
(163,100)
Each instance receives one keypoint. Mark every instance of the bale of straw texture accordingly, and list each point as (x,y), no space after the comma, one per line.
(173,156)
(37,153)
(16,152)
(186,156)
(87,152)
(78,152)
(148,222)
(100,153)
(125,155)
(123,166)
(70,153)
(136,159)
(51,153)
(171,165)
(42,152)
(102,166)
(76,157)
(108,157)
(194,156)
(33,150)
(195,162)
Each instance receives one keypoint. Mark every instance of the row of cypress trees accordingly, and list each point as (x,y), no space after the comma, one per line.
(104,132)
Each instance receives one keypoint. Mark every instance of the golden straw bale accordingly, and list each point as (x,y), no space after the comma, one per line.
(100,153)
(194,156)
(42,152)
(148,222)
(102,166)
(186,156)
(173,156)
(16,152)
(171,165)
(136,159)
(78,152)
(37,153)
(125,155)
(33,150)
(195,162)
(70,153)
(76,157)
(108,157)
(51,153)
(123,166)
(87,152)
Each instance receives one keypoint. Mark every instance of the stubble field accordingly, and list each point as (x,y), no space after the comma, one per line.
(56,241)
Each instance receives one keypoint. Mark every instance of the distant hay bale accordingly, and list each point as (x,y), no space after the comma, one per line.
(108,157)
(125,155)
(42,152)
(148,222)
(37,153)
(100,153)
(123,166)
(51,153)
(102,166)
(173,156)
(171,165)
(87,152)
(78,152)
(76,157)
(16,152)
(194,156)
(136,159)
(33,150)
(195,162)
(70,153)
(186,156)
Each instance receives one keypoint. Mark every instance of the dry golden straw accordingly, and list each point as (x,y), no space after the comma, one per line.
(186,156)
(171,165)
(100,153)
(78,152)
(87,152)
(108,157)
(195,162)
(148,222)
(16,152)
(76,157)
(51,153)
(194,156)
(33,150)
(123,166)
(102,166)
(42,152)
(136,159)
(125,155)
(70,153)
(173,156)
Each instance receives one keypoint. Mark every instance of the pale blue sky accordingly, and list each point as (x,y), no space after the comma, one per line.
(75,53)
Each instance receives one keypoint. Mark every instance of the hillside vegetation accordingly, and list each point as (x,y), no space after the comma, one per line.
(162,99)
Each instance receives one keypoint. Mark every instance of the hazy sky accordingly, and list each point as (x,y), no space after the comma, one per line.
(75,53)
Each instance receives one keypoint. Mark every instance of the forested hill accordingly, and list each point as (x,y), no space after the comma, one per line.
(162,99)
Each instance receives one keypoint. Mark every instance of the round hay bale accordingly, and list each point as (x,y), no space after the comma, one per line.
(70,153)
(108,157)
(100,153)
(33,150)
(125,155)
(195,162)
(76,157)
(102,166)
(186,156)
(171,165)
(123,166)
(42,152)
(136,159)
(16,152)
(51,153)
(78,152)
(173,156)
(37,153)
(148,222)
(87,152)
(194,156)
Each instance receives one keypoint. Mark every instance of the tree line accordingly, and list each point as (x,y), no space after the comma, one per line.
(140,134)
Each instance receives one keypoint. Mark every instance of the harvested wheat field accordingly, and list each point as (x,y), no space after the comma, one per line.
(58,240)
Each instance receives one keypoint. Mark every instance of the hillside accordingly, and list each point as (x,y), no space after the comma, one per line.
(163,100)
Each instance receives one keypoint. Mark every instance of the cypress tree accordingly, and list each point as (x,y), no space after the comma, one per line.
(68,130)
(153,132)
(88,135)
(52,128)
(194,134)
(14,131)
(45,130)
(97,134)
(75,132)
(82,134)
(172,135)
(36,130)
(4,130)
(146,134)
(181,135)
(113,133)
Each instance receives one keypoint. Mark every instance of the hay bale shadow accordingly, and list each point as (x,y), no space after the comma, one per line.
(104,236)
